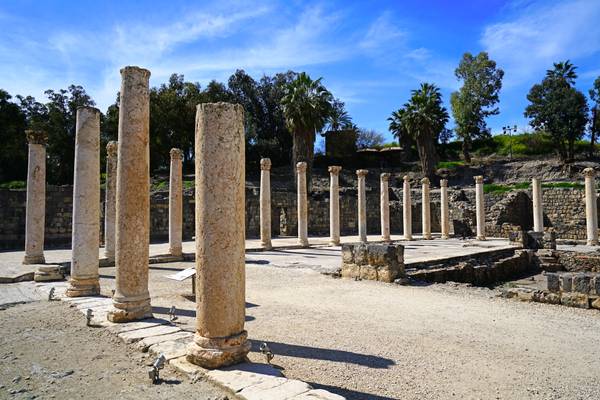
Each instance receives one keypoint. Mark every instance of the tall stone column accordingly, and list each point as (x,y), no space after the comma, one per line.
(426,209)
(362,205)
(265,203)
(591,206)
(131,299)
(35,212)
(84,279)
(406,209)
(384,204)
(175,203)
(480,207)
(110,200)
(302,205)
(220,337)
(538,210)
(445,220)
(334,205)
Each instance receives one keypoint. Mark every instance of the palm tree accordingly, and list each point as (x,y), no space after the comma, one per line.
(306,108)
(339,118)
(422,118)
(564,71)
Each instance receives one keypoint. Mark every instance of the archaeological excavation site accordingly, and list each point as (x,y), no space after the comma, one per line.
(332,203)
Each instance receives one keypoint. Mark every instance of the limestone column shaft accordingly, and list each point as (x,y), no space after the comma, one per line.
(384,204)
(175,203)
(334,205)
(35,211)
(538,208)
(110,200)
(302,205)
(84,279)
(445,217)
(362,205)
(265,204)
(220,338)
(406,209)
(480,207)
(591,206)
(426,209)
(131,299)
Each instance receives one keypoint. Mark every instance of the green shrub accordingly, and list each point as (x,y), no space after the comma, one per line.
(13,185)
(450,164)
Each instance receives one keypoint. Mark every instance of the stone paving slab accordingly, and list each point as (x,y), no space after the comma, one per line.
(171,349)
(274,389)
(139,334)
(145,343)
(132,326)
(11,272)
(94,304)
(317,394)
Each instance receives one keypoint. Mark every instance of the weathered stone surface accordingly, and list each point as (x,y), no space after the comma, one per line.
(380,262)
(347,254)
(480,207)
(47,273)
(575,300)
(546,297)
(591,206)
(175,203)
(110,201)
(334,205)
(132,326)
(317,394)
(384,201)
(596,285)
(302,204)
(182,336)
(553,282)
(170,348)
(581,283)
(445,213)
(274,389)
(566,282)
(407,208)
(362,205)
(36,198)
(245,375)
(265,203)
(596,304)
(139,334)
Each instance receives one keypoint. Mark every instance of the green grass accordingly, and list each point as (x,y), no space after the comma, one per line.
(495,188)
(13,185)
(568,185)
(504,188)
(449,164)
(160,185)
(188,184)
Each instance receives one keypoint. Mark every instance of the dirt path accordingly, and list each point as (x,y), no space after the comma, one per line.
(47,352)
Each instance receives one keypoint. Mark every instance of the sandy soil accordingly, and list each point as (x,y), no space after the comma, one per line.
(47,352)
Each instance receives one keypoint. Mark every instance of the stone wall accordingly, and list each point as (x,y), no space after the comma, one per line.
(564,211)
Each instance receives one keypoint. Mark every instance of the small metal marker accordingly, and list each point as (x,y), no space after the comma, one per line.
(264,348)
(51,294)
(89,314)
(172,316)
(153,371)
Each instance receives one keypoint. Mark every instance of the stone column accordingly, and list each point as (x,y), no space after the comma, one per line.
(591,208)
(35,212)
(426,209)
(110,200)
(362,205)
(265,203)
(406,209)
(220,337)
(175,203)
(84,279)
(384,204)
(131,299)
(445,218)
(480,207)
(302,205)
(334,205)
(538,210)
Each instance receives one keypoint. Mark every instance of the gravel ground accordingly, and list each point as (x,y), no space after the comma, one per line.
(369,340)
(47,352)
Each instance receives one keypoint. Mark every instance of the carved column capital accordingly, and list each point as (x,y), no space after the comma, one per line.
(384,177)
(479,179)
(111,148)
(36,137)
(176,154)
(265,164)
(362,173)
(334,169)
(301,166)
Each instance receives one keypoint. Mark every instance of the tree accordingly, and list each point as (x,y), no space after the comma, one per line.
(368,138)
(476,99)
(13,153)
(595,117)
(306,106)
(423,118)
(339,119)
(559,109)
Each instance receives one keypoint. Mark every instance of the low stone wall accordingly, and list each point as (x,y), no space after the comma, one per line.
(374,262)
(573,261)
(581,290)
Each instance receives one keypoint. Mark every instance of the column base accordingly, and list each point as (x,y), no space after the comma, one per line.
(34,259)
(129,311)
(334,242)
(407,237)
(303,242)
(266,245)
(386,239)
(83,287)
(592,242)
(176,251)
(427,237)
(445,237)
(481,238)
(218,352)
(47,273)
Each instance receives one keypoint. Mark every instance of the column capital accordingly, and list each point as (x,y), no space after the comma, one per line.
(265,164)
(384,177)
(111,148)
(135,70)
(36,137)
(478,179)
(362,173)
(425,181)
(301,166)
(406,178)
(176,153)
(444,183)
(589,172)
(334,169)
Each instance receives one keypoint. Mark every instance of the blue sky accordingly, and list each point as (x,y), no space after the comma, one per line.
(370,54)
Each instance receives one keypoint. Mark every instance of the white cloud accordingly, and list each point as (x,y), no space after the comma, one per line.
(539,34)
(383,34)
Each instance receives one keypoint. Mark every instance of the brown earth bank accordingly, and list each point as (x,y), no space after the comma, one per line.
(47,352)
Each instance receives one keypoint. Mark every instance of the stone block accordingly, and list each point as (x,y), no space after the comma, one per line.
(387,274)
(350,271)
(348,253)
(368,272)
(596,285)
(137,335)
(581,283)
(542,296)
(288,389)
(171,349)
(566,282)
(360,254)
(575,300)
(596,304)
(379,255)
(553,282)
(318,394)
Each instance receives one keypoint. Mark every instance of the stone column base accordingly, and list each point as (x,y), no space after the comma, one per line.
(34,259)
(47,273)
(303,243)
(218,352)
(427,237)
(176,251)
(266,245)
(445,237)
(334,242)
(407,238)
(129,311)
(83,287)
(481,238)
(589,243)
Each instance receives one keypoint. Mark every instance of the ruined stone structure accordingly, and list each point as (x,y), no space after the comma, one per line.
(110,201)
(265,203)
(175,203)
(220,337)
(36,198)
(84,280)
(131,299)
(362,205)
(376,262)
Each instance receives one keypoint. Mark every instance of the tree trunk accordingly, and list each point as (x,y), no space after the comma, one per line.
(466,147)
(303,149)
(427,154)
